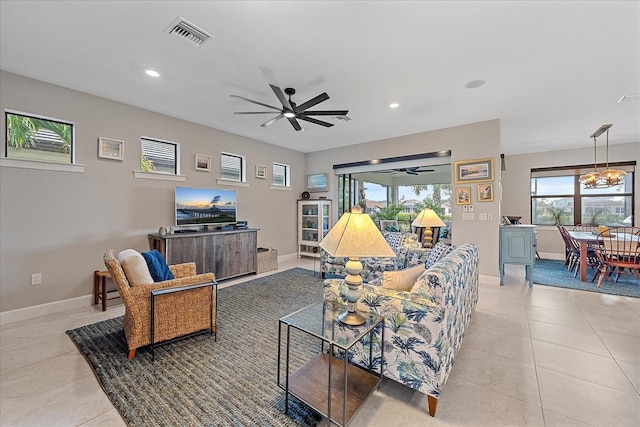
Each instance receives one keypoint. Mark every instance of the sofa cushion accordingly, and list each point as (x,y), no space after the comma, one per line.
(158,267)
(135,267)
(402,280)
(394,239)
(439,251)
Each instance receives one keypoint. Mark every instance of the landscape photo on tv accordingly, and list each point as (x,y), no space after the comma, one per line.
(201,206)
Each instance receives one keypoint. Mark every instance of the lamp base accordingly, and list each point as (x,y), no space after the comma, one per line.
(351,318)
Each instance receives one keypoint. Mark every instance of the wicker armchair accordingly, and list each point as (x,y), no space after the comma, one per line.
(176,314)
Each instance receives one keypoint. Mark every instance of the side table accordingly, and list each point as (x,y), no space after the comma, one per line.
(328,382)
(100,292)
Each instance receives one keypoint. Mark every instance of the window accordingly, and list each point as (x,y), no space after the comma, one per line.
(37,138)
(232,167)
(281,175)
(158,156)
(557,197)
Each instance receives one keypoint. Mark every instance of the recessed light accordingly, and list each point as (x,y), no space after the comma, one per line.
(151,73)
(394,105)
(474,84)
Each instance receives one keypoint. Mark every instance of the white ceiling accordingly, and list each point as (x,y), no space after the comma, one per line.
(553,69)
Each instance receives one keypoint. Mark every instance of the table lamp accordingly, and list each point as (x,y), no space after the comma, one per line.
(427,219)
(355,235)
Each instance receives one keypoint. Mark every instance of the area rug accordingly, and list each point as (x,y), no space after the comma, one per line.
(554,273)
(202,382)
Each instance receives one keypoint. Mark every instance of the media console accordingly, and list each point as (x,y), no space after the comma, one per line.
(226,254)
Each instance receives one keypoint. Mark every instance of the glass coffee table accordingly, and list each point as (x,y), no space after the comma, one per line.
(325,380)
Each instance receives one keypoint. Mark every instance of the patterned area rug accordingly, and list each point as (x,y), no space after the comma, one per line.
(554,273)
(202,382)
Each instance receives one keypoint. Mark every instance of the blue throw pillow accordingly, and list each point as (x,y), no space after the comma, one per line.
(157,266)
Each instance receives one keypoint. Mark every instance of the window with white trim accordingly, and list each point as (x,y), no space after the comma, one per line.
(233,167)
(37,138)
(281,175)
(157,156)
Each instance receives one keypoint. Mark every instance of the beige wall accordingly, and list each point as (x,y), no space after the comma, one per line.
(60,223)
(516,187)
(473,141)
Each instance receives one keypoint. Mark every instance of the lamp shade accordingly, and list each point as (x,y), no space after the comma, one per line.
(428,218)
(356,235)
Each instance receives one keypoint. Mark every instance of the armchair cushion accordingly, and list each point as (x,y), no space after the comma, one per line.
(134,267)
(402,280)
(157,266)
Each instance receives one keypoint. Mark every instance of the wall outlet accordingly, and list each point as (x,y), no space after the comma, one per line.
(36,279)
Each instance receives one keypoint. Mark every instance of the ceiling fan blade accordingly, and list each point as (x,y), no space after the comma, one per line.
(313,101)
(253,112)
(280,94)
(294,123)
(272,121)
(315,121)
(255,102)
(327,113)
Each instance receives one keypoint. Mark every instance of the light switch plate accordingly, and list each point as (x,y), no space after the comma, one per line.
(465,208)
(470,208)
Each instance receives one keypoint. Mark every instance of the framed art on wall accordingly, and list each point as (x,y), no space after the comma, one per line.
(317,183)
(111,149)
(203,163)
(261,171)
(473,171)
(463,196)
(485,192)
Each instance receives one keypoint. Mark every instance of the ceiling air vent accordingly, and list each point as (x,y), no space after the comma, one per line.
(185,30)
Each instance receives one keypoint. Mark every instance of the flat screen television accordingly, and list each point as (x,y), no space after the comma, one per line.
(205,206)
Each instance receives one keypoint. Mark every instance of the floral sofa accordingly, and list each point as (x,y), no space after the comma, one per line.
(424,327)
(408,251)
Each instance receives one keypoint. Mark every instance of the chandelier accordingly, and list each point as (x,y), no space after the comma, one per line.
(608,177)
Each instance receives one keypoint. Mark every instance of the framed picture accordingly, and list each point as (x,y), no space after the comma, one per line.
(317,183)
(463,196)
(474,171)
(203,163)
(485,192)
(111,149)
(261,171)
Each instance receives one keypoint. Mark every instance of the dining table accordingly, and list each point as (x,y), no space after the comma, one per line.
(586,238)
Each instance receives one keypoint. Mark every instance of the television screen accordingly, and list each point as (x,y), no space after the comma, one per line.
(203,206)
(317,182)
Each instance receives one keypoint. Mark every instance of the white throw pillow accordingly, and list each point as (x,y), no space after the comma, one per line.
(135,267)
(402,280)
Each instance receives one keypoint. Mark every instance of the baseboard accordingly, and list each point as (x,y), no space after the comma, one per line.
(44,309)
(550,255)
(288,257)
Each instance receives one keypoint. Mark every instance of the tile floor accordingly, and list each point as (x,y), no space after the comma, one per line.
(540,357)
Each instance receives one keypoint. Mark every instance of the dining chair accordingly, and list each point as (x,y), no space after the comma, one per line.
(619,252)
(573,254)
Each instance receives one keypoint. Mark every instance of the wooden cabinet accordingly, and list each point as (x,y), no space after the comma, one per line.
(518,246)
(224,253)
(314,221)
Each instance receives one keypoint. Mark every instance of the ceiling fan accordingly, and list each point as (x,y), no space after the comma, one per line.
(409,171)
(294,112)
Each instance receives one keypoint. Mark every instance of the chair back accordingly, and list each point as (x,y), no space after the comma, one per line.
(117,275)
(384,223)
(620,245)
(571,244)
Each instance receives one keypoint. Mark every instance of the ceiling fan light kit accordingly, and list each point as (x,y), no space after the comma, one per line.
(294,112)
(608,177)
